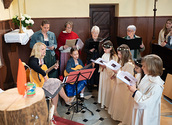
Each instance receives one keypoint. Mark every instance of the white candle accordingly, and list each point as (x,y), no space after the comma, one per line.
(19,8)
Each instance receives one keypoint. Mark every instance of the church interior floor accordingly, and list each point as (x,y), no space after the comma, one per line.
(101,117)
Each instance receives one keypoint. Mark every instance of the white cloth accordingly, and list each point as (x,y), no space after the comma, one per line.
(121,96)
(16,37)
(1,90)
(147,105)
(161,37)
(51,85)
(105,82)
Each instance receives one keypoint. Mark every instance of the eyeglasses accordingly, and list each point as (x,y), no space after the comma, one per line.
(130,31)
(68,27)
(96,33)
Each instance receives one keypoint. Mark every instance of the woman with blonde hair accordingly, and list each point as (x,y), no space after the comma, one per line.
(51,85)
(165,32)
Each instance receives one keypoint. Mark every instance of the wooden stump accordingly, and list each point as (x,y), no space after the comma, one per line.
(17,110)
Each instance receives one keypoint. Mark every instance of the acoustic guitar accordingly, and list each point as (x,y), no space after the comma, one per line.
(78,67)
(37,78)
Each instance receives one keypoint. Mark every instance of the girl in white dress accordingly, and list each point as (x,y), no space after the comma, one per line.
(138,74)
(147,97)
(121,95)
(105,81)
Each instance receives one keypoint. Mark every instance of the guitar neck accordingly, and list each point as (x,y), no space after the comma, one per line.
(48,70)
(87,66)
(51,68)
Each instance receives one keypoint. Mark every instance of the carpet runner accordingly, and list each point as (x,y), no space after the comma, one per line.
(62,121)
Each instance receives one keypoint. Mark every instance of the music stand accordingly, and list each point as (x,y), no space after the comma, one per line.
(76,76)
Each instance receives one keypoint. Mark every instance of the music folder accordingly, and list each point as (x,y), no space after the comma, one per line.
(132,43)
(126,77)
(94,45)
(71,42)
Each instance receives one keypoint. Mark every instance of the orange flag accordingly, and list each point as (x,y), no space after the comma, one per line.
(21,78)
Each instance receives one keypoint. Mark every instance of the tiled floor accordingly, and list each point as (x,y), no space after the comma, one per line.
(101,117)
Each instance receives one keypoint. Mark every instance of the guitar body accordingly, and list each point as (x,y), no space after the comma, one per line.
(76,68)
(35,77)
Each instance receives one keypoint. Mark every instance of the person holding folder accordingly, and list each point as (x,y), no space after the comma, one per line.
(131,30)
(63,50)
(49,39)
(147,97)
(93,51)
(121,96)
(106,81)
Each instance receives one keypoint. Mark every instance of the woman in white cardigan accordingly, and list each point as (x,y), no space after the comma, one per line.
(165,32)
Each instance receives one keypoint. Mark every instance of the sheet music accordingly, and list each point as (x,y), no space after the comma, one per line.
(113,65)
(70,42)
(127,77)
(99,61)
(79,43)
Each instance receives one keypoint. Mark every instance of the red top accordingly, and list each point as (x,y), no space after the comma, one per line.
(61,41)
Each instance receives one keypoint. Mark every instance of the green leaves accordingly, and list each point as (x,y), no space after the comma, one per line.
(25,20)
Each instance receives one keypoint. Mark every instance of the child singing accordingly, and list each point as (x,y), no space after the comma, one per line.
(139,74)
(121,94)
(147,97)
(72,63)
(105,81)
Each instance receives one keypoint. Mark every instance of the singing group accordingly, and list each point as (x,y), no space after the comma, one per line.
(138,104)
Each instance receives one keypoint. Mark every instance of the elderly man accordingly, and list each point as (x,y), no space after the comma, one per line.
(131,30)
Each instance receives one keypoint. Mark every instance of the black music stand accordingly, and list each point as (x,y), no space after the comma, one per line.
(76,76)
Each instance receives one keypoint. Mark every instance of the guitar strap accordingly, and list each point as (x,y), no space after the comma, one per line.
(39,77)
(38,73)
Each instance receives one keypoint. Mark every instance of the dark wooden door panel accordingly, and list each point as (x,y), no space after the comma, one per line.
(103,17)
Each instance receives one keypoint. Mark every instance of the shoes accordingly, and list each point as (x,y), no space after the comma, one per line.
(70,100)
(81,95)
